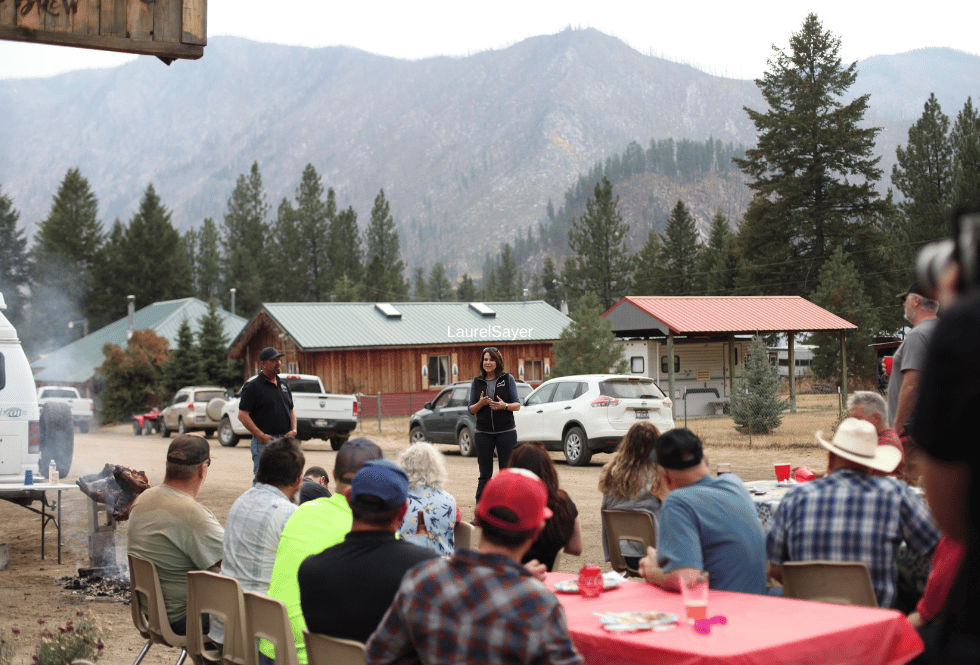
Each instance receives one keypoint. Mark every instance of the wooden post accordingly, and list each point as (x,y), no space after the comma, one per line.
(791,359)
(670,370)
(731,365)
(843,371)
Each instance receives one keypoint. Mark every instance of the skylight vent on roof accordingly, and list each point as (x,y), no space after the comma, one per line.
(482,309)
(387,309)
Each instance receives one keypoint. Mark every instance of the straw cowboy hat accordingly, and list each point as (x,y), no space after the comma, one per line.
(857,440)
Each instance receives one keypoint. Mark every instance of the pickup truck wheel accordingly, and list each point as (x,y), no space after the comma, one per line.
(137,430)
(181,427)
(465,441)
(336,442)
(415,434)
(576,447)
(57,438)
(226,434)
(83,427)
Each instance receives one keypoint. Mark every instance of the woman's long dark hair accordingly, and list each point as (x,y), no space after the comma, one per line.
(499,359)
(534,458)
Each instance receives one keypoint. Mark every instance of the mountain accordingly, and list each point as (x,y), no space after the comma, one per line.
(470,148)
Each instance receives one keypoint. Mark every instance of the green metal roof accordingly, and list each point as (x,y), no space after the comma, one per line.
(76,362)
(349,325)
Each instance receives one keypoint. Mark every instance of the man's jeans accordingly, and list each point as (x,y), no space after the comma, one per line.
(256,447)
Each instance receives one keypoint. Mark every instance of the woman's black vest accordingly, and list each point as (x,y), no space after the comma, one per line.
(488,420)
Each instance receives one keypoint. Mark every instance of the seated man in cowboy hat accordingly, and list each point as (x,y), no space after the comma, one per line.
(851,515)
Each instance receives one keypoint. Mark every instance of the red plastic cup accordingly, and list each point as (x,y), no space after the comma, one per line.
(888,365)
(782,471)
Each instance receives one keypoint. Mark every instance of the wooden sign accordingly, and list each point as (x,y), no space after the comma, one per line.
(166,28)
(703,375)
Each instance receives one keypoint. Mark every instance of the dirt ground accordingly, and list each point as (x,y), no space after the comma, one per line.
(30,592)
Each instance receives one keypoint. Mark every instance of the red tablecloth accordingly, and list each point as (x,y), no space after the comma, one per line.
(761,630)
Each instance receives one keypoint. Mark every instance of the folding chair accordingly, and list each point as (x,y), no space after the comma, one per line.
(463,535)
(221,597)
(148,610)
(326,650)
(842,582)
(627,525)
(266,618)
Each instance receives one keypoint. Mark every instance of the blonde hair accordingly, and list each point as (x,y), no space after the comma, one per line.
(632,472)
(424,465)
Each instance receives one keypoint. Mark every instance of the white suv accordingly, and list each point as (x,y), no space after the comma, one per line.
(590,413)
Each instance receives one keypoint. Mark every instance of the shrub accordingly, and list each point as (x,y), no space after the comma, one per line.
(755,402)
(80,638)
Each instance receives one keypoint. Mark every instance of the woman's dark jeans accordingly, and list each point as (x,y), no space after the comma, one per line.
(486,443)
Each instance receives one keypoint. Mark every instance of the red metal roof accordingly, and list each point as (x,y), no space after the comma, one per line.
(726,314)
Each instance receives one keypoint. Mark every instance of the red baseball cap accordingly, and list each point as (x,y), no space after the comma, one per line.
(521,492)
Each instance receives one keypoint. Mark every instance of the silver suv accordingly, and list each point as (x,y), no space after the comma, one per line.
(189,411)
(589,413)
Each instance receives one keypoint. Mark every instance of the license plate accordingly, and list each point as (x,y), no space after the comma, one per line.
(320,423)
(642,414)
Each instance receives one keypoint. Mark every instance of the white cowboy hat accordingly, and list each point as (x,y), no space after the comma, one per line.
(857,440)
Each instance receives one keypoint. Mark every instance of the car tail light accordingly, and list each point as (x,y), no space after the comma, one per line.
(34,436)
(604,400)
(190,406)
(667,402)
(355,408)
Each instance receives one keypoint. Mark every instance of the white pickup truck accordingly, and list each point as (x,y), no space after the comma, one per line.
(318,415)
(82,409)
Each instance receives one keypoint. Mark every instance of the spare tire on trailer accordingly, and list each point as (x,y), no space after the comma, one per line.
(57,438)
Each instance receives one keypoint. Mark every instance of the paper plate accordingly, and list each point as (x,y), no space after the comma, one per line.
(610,581)
(626,622)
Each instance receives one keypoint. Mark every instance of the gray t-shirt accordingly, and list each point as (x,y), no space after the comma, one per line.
(910,355)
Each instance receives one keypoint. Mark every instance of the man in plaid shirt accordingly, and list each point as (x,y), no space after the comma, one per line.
(851,515)
(481,606)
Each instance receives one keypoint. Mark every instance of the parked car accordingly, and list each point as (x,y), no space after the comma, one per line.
(589,413)
(319,415)
(447,418)
(188,411)
(82,408)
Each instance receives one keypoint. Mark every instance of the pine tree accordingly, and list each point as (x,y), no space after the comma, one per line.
(344,246)
(467,291)
(207,273)
(134,376)
(182,367)
(245,243)
(66,246)
(841,290)
(813,170)
(109,278)
(156,268)
(587,345)
(508,279)
(292,278)
(598,239)
(420,289)
(384,278)
(680,254)
(718,262)
(965,138)
(550,283)
(755,403)
(924,175)
(14,268)
(313,224)
(440,289)
(214,366)
(648,274)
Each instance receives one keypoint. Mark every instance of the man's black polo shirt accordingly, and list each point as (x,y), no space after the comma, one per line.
(268,404)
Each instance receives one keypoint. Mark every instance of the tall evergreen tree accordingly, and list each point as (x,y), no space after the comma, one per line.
(63,256)
(467,291)
(680,254)
(344,253)
(108,302)
(420,289)
(965,138)
(924,175)
(813,170)
(156,268)
(648,273)
(718,262)
(245,243)
(384,271)
(598,239)
(215,368)
(182,367)
(841,290)
(207,273)
(551,283)
(587,345)
(14,269)
(313,223)
(508,279)
(291,283)
(440,289)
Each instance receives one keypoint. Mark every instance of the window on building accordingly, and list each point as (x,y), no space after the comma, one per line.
(663,363)
(533,370)
(637,364)
(438,370)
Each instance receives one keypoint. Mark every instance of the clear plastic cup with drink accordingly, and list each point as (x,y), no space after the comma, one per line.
(694,590)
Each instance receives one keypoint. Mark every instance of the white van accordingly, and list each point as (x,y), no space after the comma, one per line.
(21,424)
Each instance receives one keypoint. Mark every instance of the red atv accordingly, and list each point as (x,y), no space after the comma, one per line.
(147,423)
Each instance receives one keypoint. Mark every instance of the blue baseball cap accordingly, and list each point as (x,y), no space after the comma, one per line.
(379,486)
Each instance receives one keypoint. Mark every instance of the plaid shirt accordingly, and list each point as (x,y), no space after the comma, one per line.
(472,608)
(852,516)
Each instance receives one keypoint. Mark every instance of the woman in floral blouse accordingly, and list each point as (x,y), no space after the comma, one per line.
(432,513)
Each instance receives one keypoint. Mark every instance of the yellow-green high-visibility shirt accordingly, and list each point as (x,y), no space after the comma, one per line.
(315,526)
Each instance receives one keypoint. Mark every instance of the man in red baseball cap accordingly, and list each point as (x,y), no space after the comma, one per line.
(481,606)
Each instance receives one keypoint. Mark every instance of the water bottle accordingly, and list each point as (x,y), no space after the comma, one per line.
(53,473)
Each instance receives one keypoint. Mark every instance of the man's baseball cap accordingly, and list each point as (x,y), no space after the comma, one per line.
(188,450)
(522,493)
(679,449)
(269,353)
(379,486)
(352,455)
(915,288)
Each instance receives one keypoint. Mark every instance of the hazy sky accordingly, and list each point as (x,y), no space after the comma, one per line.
(725,38)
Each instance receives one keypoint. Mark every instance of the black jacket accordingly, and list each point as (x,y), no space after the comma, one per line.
(488,420)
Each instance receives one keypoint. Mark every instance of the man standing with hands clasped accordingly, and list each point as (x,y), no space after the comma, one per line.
(266,406)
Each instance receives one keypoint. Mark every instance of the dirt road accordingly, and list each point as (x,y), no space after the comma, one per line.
(30,592)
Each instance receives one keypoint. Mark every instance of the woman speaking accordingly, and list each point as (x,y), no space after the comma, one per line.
(493,396)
